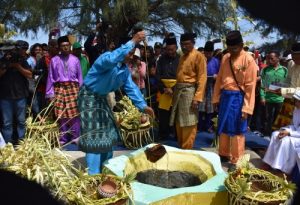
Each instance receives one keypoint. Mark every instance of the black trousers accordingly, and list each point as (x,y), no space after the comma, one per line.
(272,111)
(164,119)
(258,119)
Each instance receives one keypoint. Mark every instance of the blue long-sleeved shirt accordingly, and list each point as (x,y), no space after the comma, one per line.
(108,74)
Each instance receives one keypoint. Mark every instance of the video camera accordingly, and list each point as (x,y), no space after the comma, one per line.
(10,50)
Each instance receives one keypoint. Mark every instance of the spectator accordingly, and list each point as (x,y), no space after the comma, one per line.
(43,67)
(157,50)
(84,63)
(206,110)
(235,91)
(274,74)
(166,73)
(64,80)
(14,91)
(36,54)
(138,71)
(189,90)
(281,153)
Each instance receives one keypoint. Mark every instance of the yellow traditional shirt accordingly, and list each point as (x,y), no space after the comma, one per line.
(245,70)
(192,69)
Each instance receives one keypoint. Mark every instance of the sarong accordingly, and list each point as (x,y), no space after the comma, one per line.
(182,111)
(65,104)
(230,113)
(206,105)
(99,132)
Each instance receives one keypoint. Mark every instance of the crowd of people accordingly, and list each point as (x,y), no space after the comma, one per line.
(182,87)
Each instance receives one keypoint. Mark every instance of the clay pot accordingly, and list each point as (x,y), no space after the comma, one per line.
(144,119)
(155,153)
(107,189)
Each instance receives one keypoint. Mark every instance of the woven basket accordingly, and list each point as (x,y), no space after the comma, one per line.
(50,131)
(136,138)
(265,189)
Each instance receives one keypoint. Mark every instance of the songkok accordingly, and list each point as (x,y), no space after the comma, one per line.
(22,44)
(209,46)
(188,37)
(171,41)
(157,45)
(234,38)
(296,47)
(63,39)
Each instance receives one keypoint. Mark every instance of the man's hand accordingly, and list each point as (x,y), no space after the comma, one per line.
(216,107)
(263,102)
(283,133)
(168,91)
(149,111)
(138,37)
(195,105)
(244,116)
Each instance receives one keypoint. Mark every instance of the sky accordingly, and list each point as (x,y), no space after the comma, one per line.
(42,37)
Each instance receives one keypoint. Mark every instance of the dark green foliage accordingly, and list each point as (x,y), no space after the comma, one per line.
(205,17)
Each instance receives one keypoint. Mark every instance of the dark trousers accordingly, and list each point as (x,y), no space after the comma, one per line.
(9,110)
(205,121)
(164,128)
(256,121)
(272,111)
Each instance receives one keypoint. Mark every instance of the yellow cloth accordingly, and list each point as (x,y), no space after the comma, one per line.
(173,161)
(165,101)
(210,198)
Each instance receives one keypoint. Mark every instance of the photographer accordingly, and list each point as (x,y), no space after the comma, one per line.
(14,72)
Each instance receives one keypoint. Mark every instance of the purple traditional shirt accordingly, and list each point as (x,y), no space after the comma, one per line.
(213,66)
(63,69)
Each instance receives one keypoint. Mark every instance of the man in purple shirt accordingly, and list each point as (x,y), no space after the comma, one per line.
(64,80)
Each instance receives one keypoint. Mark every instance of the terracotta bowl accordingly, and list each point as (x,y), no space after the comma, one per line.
(107,189)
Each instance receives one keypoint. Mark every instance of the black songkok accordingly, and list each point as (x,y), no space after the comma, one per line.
(296,47)
(234,38)
(188,37)
(209,46)
(171,41)
(63,39)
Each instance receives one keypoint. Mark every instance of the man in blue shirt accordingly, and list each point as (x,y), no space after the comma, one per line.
(99,132)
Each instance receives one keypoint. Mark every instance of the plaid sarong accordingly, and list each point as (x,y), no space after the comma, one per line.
(182,102)
(206,105)
(65,105)
(99,132)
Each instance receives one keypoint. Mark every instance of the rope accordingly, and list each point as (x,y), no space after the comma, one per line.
(147,71)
